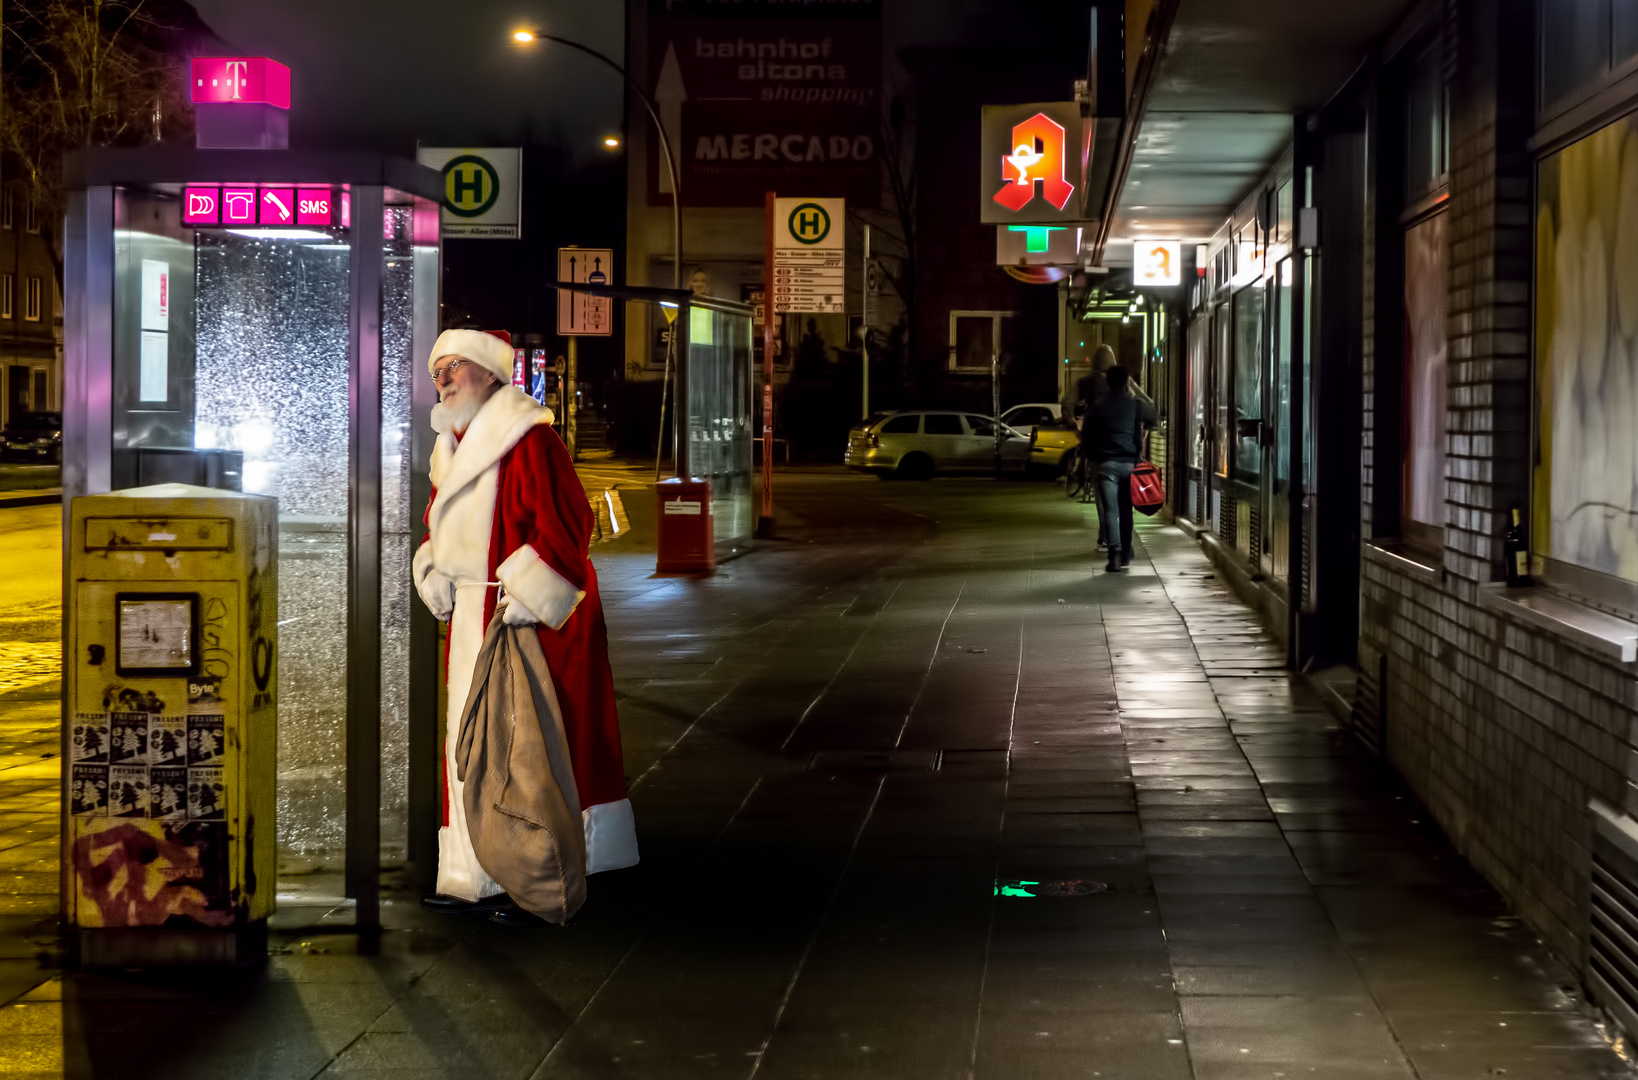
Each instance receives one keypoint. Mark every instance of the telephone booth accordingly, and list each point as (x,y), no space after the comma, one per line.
(258,320)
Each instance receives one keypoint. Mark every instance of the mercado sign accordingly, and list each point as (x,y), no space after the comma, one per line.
(765,95)
(1034,164)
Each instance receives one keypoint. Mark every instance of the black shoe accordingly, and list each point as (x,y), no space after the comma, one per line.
(1125,558)
(453,905)
(1114,566)
(512,915)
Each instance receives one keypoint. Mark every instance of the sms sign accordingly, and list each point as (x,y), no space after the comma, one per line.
(313,206)
(240,80)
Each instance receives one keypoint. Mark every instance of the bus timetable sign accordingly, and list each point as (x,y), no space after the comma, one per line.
(810,255)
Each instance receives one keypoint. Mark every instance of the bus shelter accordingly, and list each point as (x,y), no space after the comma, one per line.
(259,320)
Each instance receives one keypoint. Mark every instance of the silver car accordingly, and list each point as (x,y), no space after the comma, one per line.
(916,444)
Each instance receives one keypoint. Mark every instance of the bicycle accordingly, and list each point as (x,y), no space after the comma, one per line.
(1077,478)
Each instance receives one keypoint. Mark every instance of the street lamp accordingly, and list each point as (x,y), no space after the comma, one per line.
(529,37)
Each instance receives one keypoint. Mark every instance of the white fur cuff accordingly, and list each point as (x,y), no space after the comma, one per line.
(437,591)
(543,591)
(611,836)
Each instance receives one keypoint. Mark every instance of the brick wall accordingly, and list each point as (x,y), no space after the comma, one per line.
(1503,730)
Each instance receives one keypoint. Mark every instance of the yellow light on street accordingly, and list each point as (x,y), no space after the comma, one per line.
(611,142)
(523,37)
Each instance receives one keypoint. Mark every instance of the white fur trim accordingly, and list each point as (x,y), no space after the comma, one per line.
(437,591)
(611,836)
(486,350)
(459,872)
(546,594)
(467,475)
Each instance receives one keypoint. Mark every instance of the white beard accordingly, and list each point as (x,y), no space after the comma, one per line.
(455,419)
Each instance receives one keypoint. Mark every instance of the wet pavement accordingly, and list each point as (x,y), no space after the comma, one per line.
(921,792)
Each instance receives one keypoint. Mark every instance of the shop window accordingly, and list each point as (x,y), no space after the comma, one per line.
(1583,44)
(1248,383)
(8,295)
(1422,446)
(978,336)
(1427,126)
(1583,507)
(31,299)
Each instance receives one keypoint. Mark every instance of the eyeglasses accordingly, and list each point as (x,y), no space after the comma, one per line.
(448,369)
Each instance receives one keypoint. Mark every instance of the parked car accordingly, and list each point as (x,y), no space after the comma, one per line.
(1051,437)
(35,437)
(918,443)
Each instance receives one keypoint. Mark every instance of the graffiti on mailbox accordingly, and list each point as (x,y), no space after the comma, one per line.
(145,873)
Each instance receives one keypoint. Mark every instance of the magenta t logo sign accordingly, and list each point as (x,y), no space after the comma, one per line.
(236,80)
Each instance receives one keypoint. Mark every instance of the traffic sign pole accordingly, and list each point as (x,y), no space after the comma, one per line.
(864,327)
(765,522)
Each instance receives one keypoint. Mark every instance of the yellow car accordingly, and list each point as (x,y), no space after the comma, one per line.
(1051,438)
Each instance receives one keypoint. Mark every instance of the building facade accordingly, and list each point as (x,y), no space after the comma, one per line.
(31,314)
(1409,435)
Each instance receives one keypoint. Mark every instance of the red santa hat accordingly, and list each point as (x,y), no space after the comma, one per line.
(489,349)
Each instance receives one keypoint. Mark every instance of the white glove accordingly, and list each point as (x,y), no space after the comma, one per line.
(515,614)
(437,591)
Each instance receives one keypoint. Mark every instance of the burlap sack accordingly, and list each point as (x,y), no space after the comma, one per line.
(522,807)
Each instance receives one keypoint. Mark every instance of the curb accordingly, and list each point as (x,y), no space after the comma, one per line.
(44,497)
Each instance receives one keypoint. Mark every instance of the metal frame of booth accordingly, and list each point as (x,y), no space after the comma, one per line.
(91,179)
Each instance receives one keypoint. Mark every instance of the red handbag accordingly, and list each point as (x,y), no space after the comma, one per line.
(1148,493)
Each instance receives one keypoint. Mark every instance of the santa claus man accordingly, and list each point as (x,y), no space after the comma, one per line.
(508,513)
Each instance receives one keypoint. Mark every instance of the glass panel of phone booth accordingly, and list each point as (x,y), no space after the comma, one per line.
(409,313)
(230,369)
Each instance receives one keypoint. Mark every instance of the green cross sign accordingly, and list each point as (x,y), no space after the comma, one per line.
(1036,237)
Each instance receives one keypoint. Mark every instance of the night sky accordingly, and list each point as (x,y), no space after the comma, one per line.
(381,75)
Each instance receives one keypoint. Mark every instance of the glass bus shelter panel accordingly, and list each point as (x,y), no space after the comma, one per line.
(409,314)
(719,417)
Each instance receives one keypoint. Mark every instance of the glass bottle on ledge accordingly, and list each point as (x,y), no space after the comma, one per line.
(1517,553)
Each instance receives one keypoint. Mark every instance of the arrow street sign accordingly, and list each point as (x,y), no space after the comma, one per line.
(581,314)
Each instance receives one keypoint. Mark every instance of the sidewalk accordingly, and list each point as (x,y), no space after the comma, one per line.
(921,792)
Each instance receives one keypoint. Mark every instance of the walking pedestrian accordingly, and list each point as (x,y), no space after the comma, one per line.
(1090,389)
(1113,432)
(508,509)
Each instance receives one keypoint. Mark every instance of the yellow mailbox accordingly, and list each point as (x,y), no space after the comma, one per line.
(171,677)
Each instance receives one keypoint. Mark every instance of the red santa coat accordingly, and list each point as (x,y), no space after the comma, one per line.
(507,507)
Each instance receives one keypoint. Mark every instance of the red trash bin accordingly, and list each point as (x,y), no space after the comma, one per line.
(687,531)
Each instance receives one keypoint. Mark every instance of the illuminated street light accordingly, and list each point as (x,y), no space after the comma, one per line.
(529,37)
(612,142)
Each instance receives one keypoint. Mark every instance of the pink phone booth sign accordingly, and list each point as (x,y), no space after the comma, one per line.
(277,206)
(201,206)
(314,206)
(239,206)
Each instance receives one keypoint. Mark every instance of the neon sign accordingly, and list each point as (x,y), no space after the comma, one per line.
(1157,262)
(201,206)
(275,206)
(1038,153)
(240,80)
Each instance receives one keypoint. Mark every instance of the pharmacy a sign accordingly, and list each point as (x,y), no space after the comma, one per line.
(482,191)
